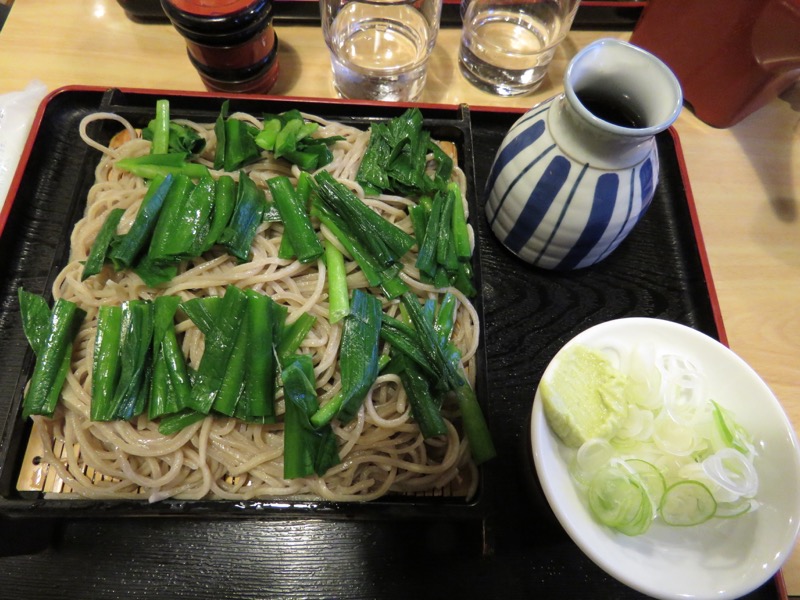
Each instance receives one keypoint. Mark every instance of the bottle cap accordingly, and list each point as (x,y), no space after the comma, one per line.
(220,22)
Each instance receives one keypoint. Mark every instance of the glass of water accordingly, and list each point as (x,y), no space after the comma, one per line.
(380,48)
(507,45)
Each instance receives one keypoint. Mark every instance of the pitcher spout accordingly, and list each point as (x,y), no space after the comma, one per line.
(616,98)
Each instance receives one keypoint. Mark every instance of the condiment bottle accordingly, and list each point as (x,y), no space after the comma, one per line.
(231,43)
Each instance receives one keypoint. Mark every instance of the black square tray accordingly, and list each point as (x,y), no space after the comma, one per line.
(507,545)
(51,197)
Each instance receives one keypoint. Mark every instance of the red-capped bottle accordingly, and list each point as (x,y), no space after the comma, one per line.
(231,43)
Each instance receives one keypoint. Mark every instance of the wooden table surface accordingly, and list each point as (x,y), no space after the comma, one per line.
(745,180)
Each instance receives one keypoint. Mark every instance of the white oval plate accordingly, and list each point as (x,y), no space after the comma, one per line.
(722,558)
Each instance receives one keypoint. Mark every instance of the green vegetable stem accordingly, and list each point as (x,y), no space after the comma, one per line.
(404,339)
(296,221)
(358,359)
(105,362)
(289,136)
(338,296)
(174,423)
(35,315)
(160,130)
(202,312)
(308,450)
(440,227)
(133,384)
(373,242)
(167,136)
(292,336)
(236,145)
(171,387)
(387,242)
(151,166)
(219,347)
(102,243)
(167,234)
(247,215)
(244,333)
(368,265)
(395,159)
(51,335)
(424,407)
(448,368)
(126,249)
(261,368)
(188,227)
(358,354)
(223,205)
(240,146)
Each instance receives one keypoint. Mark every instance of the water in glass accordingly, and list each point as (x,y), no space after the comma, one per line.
(507,47)
(379,51)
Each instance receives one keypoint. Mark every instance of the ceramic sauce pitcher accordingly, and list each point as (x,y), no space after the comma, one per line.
(575,173)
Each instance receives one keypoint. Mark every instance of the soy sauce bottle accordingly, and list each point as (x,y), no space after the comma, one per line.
(231,43)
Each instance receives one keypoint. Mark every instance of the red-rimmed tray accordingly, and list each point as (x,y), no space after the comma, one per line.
(592,14)
(507,545)
(619,15)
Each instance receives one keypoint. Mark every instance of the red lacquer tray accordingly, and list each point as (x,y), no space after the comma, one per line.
(506,544)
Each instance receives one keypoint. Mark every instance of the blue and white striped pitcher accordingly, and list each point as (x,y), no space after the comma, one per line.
(575,173)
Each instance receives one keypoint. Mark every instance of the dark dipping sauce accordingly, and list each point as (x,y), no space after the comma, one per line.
(617,111)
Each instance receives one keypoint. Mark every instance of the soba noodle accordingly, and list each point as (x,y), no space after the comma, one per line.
(382,450)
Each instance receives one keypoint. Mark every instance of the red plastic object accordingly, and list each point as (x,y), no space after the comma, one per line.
(731,56)
(231,43)
(260,83)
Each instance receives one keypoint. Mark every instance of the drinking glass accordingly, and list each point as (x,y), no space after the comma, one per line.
(507,45)
(380,48)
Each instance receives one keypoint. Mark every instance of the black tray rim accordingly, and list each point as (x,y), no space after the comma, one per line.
(33,505)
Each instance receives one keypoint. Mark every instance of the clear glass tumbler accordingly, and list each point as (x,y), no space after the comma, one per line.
(380,48)
(507,45)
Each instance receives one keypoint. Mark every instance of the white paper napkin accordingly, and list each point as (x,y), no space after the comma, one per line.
(17,110)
